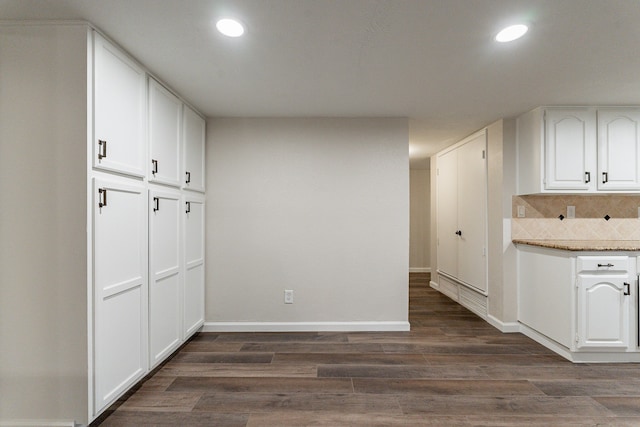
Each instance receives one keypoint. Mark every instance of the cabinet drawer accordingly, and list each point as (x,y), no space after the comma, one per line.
(603,263)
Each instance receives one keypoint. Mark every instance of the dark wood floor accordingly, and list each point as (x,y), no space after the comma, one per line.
(451,369)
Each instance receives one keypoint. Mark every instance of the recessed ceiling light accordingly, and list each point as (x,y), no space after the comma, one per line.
(512,33)
(230,27)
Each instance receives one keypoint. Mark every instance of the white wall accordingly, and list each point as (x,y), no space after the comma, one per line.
(319,206)
(420,220)
(43,213)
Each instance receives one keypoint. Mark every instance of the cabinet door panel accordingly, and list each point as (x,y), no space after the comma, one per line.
(619,149)
(120,288)
(165,285)
(165,111)
(570,149)
(194,265)
(119,111)
(603,312)
(472,207)
(194,146)
(447,210)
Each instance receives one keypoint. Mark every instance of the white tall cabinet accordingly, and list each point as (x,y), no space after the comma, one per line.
(461,222)
(106,263)
(166,279)
(120,289)
(461,210)
(193,308)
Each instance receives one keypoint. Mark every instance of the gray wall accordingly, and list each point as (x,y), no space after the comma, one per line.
(319,206)
(43,222)
(420,220)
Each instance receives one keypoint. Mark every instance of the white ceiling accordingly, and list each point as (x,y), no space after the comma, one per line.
(433,61)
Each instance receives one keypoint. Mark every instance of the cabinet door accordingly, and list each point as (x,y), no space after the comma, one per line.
(194,264)
(570,149)
(165,111)
(603,312)
(619,149)
(193,143)
(118,111)
(447,211)
(120,288)
(472,208)
(165,284)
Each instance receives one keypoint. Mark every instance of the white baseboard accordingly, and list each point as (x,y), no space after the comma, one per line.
(434,285)
(505,327)
(420,270)
(37,423)
(372,326)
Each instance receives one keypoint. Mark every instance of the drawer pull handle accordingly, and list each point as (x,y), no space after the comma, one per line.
(605,265)
(102,197)
(627,290)
(102,149)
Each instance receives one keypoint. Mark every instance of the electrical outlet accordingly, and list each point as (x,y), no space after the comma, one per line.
(571,211)
(521,211)
(288,296)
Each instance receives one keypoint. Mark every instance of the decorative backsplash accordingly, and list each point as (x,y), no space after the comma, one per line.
(597,217)
(596,206)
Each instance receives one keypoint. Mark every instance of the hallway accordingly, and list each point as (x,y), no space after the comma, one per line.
(452,368)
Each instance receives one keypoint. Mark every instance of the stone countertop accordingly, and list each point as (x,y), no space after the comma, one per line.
(583,245)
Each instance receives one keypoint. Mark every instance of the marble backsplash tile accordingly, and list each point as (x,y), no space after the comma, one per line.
(575,229)
(542,221)
(592,206)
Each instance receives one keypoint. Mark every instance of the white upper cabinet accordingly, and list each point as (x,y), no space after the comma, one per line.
(579,150)
(165,114)
(619,149)
(193,144)
(570,149)
(119,111)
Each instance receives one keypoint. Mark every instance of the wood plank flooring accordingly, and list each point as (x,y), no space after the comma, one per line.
(452,369)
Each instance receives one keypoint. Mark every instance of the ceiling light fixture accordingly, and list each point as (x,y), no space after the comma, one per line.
(511,33)
(230,27)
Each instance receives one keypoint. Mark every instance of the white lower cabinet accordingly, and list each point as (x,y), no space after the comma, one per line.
(590,298)
(120,290)
(193,307)
(604,306)
(165,282)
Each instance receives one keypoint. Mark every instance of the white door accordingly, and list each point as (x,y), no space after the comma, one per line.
(570,149)
(603,312)
(165,113)
(194,264)
(119,111)
(619,149)
(447,211)
(165,283)
(120,288)
(472,208)
(193,145)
